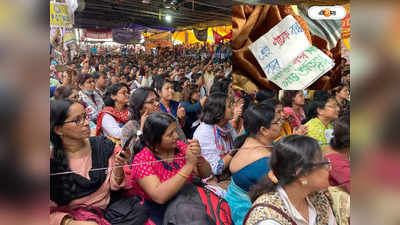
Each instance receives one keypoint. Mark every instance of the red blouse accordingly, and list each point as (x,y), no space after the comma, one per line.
(340,172)
(142,168)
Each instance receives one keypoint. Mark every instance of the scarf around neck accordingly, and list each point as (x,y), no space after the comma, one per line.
(221,133)
(119,116)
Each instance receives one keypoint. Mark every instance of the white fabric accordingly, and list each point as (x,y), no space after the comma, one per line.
(72,6)
(203,92)
(146,82)
(295,215)
(268,222)
(111,127)
(205,134)
(189,75)
(93,109)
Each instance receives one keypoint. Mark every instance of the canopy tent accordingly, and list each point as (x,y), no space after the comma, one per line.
(126,21)
(189,37)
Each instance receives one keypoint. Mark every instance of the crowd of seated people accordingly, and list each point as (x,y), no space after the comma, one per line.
(126,143)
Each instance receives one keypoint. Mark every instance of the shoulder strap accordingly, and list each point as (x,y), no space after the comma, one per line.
(271,207)
(212,212)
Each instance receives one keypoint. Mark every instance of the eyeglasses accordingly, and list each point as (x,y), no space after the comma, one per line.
(155,101)
(90,81)
(75,97)
(326,162)
(80,120)
(279,122)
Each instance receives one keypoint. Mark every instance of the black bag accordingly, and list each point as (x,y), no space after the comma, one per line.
(126,212)
(196,205)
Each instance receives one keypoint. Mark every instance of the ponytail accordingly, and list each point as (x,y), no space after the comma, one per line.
(59,162)
(311,111)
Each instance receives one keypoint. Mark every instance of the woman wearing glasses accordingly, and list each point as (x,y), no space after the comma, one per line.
(292,193)
(322,112)
(76,153)
(250,163)
(285,126)
(143,102)
(115,115)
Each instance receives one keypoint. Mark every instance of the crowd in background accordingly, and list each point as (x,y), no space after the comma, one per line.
(162,119)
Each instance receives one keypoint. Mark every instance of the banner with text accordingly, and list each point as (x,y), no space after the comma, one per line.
(59,16)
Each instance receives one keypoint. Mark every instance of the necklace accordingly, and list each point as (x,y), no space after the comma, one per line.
(166,165)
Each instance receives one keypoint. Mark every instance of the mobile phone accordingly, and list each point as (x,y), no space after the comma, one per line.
(126,145)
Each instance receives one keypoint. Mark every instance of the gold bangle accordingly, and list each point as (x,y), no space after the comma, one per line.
(182,174)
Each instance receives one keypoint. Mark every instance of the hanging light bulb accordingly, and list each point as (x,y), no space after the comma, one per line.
(168,18)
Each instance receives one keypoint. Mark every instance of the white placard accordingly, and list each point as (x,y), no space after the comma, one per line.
(280,46)
(288,58)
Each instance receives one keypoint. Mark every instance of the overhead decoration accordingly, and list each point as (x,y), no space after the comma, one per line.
(218,38)
(189,37)
(201,35)
(98,33)
(158,40)
(126,36)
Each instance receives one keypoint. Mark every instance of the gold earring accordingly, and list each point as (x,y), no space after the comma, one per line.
(304,182)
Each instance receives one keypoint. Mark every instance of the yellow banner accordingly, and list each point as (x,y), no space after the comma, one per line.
(188,37)
(69,36)
(59,15)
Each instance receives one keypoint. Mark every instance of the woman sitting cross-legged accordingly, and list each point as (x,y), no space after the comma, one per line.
(163,164)
(293,191)
(250,163)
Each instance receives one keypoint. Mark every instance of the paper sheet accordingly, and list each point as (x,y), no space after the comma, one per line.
(304,70)
(285,50)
